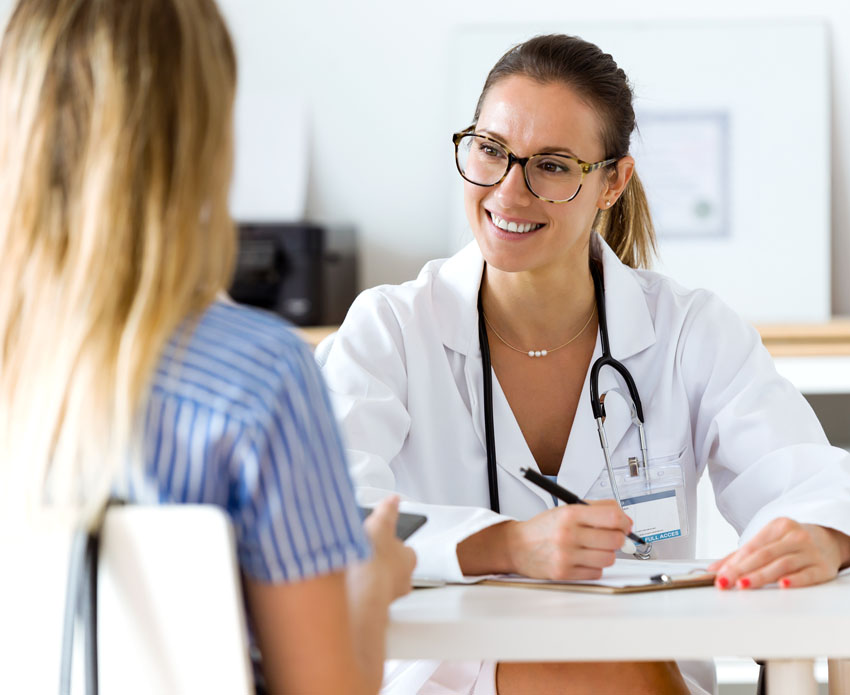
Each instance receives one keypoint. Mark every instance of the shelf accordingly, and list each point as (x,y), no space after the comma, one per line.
(807,339)
(814,357)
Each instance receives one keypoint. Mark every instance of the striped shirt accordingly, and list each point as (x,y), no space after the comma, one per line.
(239,417)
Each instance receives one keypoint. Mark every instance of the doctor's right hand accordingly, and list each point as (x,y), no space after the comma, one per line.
(568,542)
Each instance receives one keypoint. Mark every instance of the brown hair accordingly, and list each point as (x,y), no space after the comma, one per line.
(627,226)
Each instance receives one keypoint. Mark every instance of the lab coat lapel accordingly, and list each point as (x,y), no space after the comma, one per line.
(456,291)
(456,294)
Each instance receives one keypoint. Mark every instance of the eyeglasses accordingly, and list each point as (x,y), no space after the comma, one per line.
(555,178)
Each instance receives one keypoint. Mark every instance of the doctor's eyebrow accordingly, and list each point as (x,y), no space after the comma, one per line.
(553,149)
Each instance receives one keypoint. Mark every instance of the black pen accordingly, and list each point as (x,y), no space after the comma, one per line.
(563,494)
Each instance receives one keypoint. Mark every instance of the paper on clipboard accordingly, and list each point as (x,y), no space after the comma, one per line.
(623,577)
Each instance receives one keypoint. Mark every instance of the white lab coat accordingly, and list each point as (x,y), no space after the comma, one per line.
(405,377)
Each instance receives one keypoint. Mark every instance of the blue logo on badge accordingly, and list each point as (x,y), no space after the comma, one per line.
(663,536)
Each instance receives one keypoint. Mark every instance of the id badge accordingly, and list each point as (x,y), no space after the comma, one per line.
(655,501)
(655,515)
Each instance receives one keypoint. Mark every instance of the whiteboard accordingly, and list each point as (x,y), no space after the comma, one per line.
(767,249)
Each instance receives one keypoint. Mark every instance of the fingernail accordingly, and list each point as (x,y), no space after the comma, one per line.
(784,582)
(744,582)
(628,547)
(723,582)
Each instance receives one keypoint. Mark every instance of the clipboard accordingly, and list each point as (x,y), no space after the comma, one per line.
(682,582)
(624,577)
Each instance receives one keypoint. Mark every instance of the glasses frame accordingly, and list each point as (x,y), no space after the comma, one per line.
(586,167)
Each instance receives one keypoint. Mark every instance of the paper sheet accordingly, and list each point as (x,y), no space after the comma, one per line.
(621,574)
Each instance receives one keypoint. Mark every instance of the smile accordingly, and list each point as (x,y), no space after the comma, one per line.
(506,226)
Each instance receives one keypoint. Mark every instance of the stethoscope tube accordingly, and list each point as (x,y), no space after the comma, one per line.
(606,360)
(489,434)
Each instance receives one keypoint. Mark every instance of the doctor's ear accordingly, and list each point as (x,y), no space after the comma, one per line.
(618,177)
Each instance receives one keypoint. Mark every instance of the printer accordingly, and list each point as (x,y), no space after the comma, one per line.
(305,272)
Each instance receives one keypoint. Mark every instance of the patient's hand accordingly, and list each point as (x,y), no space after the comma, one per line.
(787,552)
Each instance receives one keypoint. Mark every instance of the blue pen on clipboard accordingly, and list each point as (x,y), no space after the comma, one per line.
(564,495)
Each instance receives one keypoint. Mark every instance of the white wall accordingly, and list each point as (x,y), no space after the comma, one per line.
(374,72)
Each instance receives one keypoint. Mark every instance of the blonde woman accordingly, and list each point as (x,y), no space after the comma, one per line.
(119,368)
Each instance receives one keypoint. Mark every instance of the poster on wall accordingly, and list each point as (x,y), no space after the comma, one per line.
(683,161)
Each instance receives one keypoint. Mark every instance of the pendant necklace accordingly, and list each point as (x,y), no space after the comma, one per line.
(541,353)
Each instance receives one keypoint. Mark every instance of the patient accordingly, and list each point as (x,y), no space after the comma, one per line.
(120,370)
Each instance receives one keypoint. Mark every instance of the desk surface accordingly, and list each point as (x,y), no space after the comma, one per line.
(484,622)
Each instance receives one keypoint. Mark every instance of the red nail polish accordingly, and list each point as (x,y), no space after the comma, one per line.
(784,582)
(744,582)
(723,582)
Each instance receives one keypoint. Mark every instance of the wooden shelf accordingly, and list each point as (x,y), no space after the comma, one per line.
(831,339)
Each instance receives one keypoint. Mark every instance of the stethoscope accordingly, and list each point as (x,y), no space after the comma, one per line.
(596,403)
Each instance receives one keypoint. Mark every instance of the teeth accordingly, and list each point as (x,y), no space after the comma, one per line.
(513,226)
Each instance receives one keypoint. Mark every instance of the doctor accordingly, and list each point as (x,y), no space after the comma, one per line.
(551,191)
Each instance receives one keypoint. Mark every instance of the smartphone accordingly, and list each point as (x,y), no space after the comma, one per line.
(406,525)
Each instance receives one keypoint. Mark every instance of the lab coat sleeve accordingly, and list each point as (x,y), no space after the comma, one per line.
(766,452)
(366,373)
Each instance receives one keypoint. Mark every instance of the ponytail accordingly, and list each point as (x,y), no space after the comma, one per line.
(627,227)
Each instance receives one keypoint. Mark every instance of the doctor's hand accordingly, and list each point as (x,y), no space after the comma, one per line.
(787,552)
(569,542)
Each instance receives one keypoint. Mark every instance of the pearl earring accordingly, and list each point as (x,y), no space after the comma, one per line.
(607,203)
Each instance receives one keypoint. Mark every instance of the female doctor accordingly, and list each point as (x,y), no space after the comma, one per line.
(556,209)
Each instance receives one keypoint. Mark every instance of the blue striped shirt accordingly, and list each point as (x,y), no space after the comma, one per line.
(239,417)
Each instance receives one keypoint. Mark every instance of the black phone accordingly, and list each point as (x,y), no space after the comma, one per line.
(406,525)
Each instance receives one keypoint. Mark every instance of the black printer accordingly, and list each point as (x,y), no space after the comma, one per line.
(305,272)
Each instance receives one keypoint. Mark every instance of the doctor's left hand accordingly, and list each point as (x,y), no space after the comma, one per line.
(787,552)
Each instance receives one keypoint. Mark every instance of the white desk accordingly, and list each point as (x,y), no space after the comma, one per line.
(789,628)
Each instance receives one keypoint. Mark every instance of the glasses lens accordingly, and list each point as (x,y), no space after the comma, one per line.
(480,160)
(553,177)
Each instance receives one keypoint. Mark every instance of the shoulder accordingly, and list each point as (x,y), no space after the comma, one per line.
(668,300)
(233,359)
(706,335)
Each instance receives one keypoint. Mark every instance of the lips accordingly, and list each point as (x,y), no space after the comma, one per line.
(512,226)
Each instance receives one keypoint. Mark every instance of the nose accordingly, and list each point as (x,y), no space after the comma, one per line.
(512,191)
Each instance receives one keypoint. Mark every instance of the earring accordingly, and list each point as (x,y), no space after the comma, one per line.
(607,203)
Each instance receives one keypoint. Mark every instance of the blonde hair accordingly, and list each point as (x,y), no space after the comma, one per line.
(115,163)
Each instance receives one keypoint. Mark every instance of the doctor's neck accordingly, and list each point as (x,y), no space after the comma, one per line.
(541,305)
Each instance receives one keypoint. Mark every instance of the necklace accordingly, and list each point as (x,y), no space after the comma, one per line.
(541,353)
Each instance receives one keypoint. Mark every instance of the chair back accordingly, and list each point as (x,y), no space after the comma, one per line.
(170,606)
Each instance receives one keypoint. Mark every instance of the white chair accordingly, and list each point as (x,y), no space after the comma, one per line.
(170,606)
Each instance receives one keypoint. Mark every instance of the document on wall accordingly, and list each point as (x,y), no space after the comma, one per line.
(623,577)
